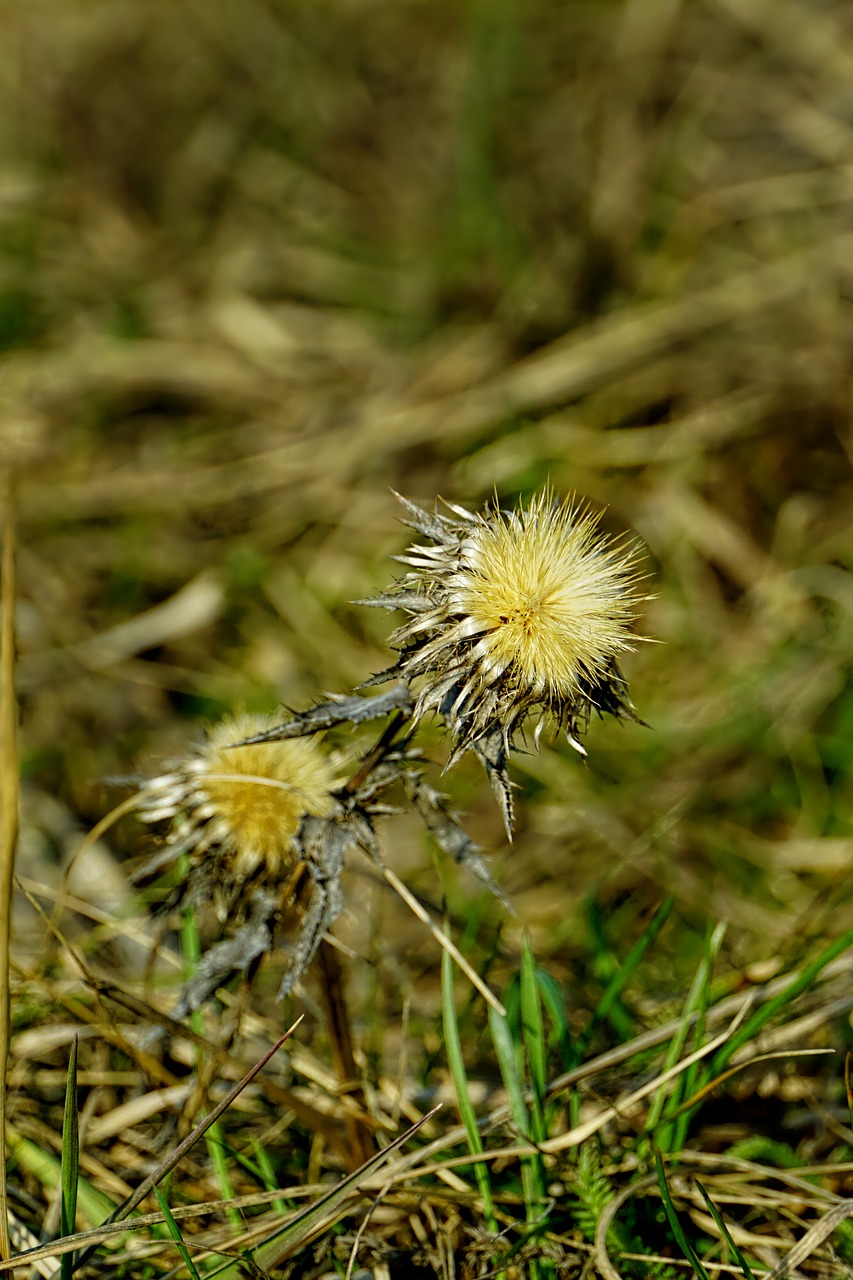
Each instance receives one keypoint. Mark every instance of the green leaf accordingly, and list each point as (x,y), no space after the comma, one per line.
(70,1165)
(533,1037)
(677,1230)
(724,1232)
(175,1233)
(456,1065)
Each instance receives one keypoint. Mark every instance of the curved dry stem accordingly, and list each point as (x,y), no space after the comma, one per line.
(101,828)
(600,1256)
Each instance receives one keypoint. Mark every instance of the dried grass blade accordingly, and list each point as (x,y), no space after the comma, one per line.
(602,1262)
(812,1240)
(319,1215)
(583,1131)
(443,940)
(800,982)
(9,789)
(148,1184)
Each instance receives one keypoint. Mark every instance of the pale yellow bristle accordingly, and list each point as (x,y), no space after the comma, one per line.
(257,795)
(550,598)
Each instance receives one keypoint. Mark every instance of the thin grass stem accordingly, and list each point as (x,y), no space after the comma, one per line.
(9,800)
(443,941)
(455,1062)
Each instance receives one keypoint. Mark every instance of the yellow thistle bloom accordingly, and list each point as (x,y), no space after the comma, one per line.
(512,611)
(246,803)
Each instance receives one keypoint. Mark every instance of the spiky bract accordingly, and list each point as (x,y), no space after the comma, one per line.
(510,611)
(246,803)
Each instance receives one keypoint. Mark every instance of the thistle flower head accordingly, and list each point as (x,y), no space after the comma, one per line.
(243,803)
(510,611)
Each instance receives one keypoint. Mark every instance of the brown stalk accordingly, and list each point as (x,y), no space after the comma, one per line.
(9,788)
(360,1143)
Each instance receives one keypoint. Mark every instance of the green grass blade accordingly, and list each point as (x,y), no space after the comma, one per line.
(453,1047)
(70,1164)
(508,1063)
(322,1214)
(175,1233)
(681,1123)
(93,1204)
(532,1173)
(801,983)
(560,1037)
(216,1149)
(214,1140)
(533,1039)
(697,994)
(724,1232)
(675,1226)
(266,1172)
(622,977)
(190,940)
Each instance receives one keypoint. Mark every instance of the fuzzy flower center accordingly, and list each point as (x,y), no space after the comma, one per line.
(549,601)
(257,795)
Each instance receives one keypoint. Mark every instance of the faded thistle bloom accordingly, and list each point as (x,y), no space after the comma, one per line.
(244,817)
(513,612)
(261,829)
(240,808)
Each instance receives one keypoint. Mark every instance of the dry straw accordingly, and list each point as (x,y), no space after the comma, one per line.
(9,794)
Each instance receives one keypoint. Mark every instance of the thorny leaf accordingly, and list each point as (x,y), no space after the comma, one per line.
(337,710)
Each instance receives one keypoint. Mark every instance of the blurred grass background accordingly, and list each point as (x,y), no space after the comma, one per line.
(261,263)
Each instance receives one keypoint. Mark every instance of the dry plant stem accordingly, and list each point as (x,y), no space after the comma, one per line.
(812,1240)
(360,1140)
(603,1264)
(103,987)
(443,940)
(9,786)
(373,757)
(805,1247)
(175,1157)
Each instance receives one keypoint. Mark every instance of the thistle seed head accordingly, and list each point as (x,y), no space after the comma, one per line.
(510,611)
(243,803)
